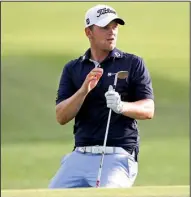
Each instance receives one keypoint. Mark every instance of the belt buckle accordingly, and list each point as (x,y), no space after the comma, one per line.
(82,149)
(97,149)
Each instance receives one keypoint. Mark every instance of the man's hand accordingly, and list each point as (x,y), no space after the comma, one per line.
(91,80)
(113,100)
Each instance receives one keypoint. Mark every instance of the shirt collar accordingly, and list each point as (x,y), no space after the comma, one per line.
(115,53)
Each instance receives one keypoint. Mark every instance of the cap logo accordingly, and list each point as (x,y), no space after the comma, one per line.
(105,11)
(87,21)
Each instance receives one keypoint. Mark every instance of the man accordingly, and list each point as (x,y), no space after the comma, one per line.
(83,94)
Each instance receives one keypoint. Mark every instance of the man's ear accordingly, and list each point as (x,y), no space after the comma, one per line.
(88,32)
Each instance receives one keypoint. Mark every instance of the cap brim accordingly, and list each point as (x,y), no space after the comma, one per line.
(107,20)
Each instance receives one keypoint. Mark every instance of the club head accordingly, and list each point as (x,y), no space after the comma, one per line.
(122,74)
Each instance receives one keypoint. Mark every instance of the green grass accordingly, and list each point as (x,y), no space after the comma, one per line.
(39,38)
(176,191)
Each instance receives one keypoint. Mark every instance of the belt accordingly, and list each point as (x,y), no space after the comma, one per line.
(99,150)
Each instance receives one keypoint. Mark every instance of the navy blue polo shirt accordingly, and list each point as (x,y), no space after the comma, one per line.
(90,122)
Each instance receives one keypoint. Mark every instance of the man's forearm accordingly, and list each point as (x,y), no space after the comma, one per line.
(67,109)
(143,109)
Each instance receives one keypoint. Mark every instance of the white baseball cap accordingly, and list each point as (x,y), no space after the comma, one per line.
(101,15)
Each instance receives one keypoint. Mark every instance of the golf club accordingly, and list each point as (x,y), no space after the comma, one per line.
(118,75)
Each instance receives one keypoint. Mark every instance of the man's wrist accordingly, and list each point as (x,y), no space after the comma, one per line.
(83,92)
(121,107)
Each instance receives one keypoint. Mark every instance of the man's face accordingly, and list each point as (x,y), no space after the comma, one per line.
(104,38)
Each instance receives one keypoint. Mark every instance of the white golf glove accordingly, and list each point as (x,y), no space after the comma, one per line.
(113,100)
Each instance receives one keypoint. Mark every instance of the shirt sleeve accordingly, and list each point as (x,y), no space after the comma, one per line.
(66,87)
(141,80)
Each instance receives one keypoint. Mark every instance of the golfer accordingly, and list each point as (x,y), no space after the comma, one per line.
(86,94)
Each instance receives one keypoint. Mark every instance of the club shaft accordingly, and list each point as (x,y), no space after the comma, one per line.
(103,151)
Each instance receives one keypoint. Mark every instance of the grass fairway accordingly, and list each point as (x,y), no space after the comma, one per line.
(38,38)
(163,191)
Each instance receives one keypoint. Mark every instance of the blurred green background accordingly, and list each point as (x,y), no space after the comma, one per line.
(38,38)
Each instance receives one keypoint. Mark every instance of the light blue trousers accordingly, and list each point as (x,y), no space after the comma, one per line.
(80,170)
